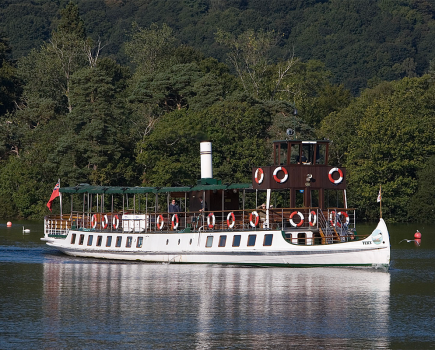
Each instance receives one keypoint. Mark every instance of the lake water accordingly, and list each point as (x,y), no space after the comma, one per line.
(52,301)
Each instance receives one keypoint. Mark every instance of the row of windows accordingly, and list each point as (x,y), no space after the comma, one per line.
(236,240)
(208,244)
(118,241)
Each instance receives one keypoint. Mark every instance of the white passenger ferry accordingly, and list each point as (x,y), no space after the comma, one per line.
(294,213)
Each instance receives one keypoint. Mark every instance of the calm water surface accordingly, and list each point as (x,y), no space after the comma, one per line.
(52,301)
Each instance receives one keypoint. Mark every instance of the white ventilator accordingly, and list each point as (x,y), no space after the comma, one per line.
(206,160)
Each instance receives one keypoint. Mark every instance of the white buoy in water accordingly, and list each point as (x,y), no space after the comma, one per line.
(9,224)
(26,230)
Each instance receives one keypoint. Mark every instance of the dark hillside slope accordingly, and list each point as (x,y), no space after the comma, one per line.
(361,42)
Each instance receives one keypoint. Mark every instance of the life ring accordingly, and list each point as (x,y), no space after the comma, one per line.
(332,216)
(345,215)
(115,222)
(94,220)
(211,220)
(160,222)
(257,219)
(174,221)
(104,222)
(260,172)
(233,220)
(312,218)
(332,171)
(300,222)
(276,171)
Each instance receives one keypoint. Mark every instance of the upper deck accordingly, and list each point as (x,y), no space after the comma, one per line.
(300,166)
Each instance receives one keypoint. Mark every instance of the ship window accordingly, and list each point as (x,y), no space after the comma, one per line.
(139,242)
(222,241)
(301,238)
(276,160)
(179,242)
(209,242)
(251,240)
(118,241)
(82,238)
(73,238)
(283,154)
(109,241)
(99,240)
(90,238)
(190,241)
(308,153)
(299,198)
(314,198)
(128,243)
(321,154)
(294,156)
(268,240)
(167,241)
(236,241)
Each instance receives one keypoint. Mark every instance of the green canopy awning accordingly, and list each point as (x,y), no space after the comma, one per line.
(85,188)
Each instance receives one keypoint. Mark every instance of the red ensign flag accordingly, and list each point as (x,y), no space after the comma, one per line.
(54,194)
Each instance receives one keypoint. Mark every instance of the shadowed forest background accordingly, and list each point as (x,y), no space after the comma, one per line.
(121,92)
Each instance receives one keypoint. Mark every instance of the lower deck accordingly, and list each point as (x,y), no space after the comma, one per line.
(299,226)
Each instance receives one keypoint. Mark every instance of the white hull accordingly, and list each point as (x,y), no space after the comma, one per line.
(191,248)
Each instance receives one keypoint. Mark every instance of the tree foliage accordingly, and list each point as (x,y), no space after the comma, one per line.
(75,108)
(391,139)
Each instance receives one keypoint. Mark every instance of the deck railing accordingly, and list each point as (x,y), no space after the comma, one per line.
(337,220)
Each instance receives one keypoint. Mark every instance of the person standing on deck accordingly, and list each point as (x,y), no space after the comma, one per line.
(203,205)
(173,207)
(262,213)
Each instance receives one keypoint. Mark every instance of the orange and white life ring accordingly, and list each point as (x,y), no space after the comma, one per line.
(160,222)
(312,218)
(259,175)
(340,173)
(94,220)
(346,218)
(276,171)
(174,221)
(257,219)
(115,222)
(104,222)
(301,216)
(233,220)
(332,217)
(211,220)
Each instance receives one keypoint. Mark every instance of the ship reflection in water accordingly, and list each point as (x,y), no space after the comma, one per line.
(112,305)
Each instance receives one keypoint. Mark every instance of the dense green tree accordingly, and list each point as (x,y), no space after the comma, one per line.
(9,86)
(249,55)
(170,154)
(90,147)
(392,140)
(69,45)
(422,204)
(150,48)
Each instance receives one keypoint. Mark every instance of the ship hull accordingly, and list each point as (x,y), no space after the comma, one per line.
(207,248)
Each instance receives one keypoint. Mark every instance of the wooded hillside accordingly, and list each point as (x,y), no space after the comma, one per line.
(360,42)
(121,92)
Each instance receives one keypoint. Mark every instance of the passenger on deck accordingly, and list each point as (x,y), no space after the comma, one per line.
(203,206)
(262,213)
(173,207)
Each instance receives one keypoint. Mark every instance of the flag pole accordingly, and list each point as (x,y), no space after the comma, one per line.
(380,202)
(60,195)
